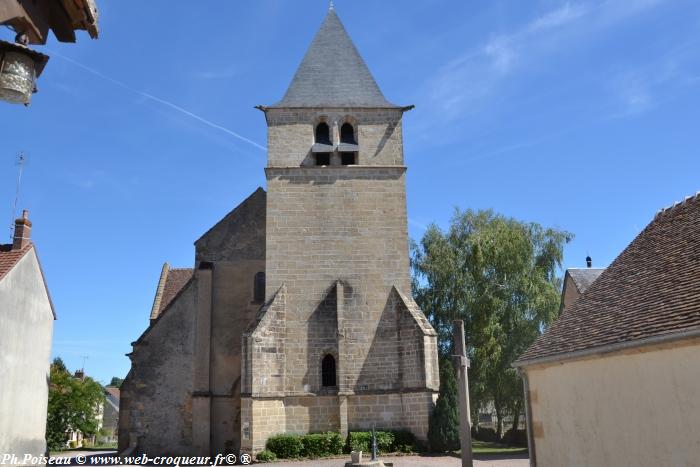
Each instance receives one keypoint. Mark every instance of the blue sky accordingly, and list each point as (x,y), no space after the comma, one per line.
(582,115)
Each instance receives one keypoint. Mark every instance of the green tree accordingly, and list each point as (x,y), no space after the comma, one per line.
(499,275)
(116,382)
(73,404)
(443,428)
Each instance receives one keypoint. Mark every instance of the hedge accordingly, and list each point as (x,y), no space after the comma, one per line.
(488,435)
(285,446)
(290,446)
(515,438)
(387,441)
(311,445)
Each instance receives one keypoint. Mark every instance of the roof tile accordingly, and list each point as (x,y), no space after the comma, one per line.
(10,257)
(651,289)
(333,74)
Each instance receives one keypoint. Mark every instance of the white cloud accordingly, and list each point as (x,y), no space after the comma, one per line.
(558,17)
(462,84)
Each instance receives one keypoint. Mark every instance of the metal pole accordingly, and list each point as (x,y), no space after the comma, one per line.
(462,364)
(374,444)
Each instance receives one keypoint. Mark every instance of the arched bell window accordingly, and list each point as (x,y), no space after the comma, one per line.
(347,134)
(348,144)
(328,371)
(259,287)
(323,133)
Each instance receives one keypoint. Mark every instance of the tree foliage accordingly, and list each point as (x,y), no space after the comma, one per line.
(116,382)
(73,404)
(499,275)
(443,428)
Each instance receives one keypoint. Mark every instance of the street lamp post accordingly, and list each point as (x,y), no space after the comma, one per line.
(19,68)
(31,20)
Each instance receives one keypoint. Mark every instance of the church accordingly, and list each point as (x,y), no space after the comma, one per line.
(297,316)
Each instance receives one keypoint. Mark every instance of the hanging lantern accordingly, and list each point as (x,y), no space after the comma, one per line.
(19,68)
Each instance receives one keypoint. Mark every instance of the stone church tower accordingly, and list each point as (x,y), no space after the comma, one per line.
(338,344)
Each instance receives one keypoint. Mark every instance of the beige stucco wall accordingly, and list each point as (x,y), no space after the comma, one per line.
(640,408)
(26,328)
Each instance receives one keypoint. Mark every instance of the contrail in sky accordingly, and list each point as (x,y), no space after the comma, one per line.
(159,100)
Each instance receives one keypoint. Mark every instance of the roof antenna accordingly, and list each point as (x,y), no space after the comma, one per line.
(19,161)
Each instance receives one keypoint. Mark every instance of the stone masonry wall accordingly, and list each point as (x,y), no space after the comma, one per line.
(264,343)
(291,134)
(157,392)
(403,411)
(261,418)
(349,224)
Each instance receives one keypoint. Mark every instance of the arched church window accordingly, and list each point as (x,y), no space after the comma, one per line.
(347,134)
(328,371)
(259,287)
(323,133)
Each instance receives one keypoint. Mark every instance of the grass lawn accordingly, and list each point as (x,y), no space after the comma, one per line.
(485,448)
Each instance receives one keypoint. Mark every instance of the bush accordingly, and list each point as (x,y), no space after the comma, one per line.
(515,438)
(266,456)
(443,426)
(404,441)
(362,441)
(285,446)
(73,444)
(334,443)
(488,435)
(322,444)
(311,445)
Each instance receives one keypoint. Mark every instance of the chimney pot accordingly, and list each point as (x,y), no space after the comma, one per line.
(23,228)
(589,262)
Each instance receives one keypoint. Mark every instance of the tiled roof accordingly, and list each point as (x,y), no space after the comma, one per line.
(10,257)
(583,278)
(333,74)
(651,290)
(170,284)
(113,391)
(177,278)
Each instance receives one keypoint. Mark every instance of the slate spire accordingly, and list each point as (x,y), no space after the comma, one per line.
(332,73)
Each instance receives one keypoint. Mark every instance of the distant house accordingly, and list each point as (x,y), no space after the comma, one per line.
(107,420)
(26,328)
(110,414)
(616,379)
(576,282)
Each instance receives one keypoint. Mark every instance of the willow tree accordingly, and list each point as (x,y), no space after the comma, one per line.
(499,275)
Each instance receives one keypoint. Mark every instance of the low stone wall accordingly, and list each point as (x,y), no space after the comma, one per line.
(404,411)
(262,418)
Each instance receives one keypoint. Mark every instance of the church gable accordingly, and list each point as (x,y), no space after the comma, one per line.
(240,235)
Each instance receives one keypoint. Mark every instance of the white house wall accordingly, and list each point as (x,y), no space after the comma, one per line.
(636,409)
(25,349)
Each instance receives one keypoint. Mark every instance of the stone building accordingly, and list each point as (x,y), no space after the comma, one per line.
(576,282)
(26,330)
(616,379)
(297,316)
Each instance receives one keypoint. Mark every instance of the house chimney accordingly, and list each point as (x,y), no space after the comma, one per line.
(589,261)
(23,228)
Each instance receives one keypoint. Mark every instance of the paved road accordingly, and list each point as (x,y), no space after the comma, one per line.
(399,461)
(419,461)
